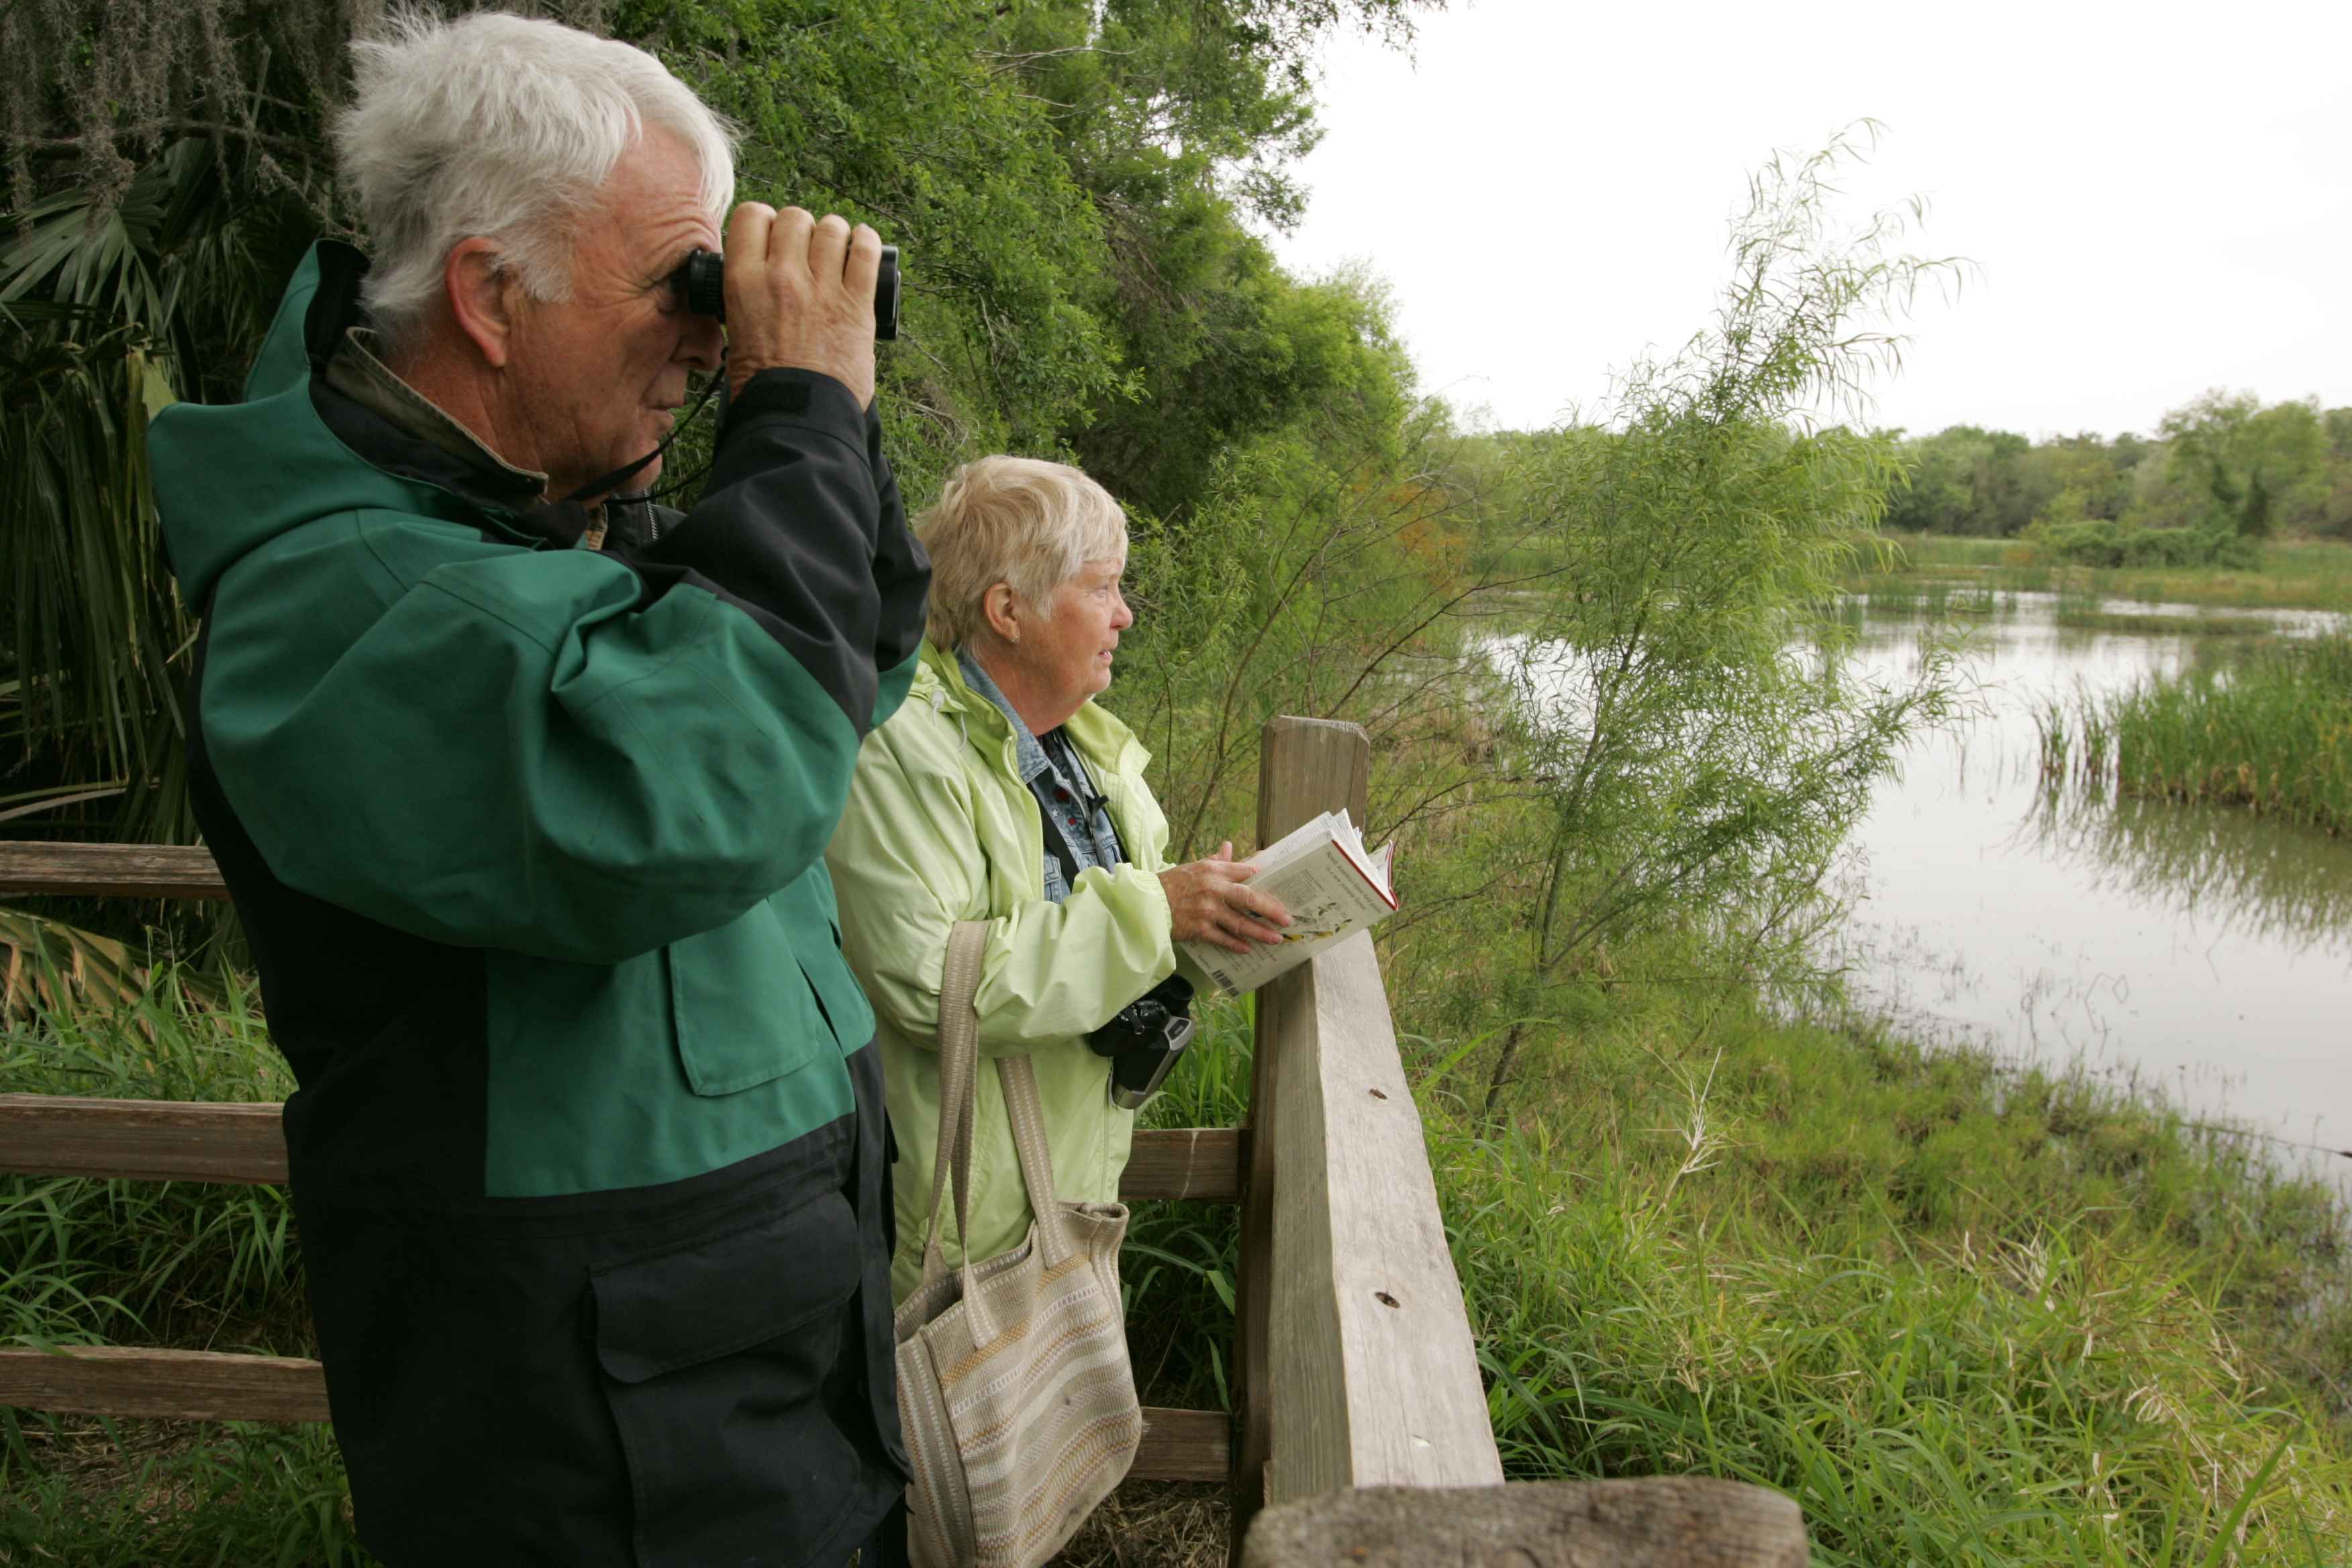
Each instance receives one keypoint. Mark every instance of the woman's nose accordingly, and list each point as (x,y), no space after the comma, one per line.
(1121,617)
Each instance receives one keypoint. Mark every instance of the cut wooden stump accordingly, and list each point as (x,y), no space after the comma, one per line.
(1665,1521)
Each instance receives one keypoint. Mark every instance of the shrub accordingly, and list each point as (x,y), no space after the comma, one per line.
(2103,541)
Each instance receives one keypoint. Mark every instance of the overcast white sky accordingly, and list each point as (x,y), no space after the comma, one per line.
(2158,198)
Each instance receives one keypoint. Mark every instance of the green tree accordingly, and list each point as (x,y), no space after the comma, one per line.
(1966,479)
(1072,180)
(2244,467)
(164,173)
(1697,756)
(2093,479)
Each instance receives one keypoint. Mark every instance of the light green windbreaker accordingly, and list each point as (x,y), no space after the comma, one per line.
(939,830)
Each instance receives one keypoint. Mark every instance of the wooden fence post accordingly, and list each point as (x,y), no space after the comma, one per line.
(1304,767)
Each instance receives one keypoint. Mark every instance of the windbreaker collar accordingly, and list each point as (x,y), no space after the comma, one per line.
(229,477)
(392,427)
(356,370)
(1102,738)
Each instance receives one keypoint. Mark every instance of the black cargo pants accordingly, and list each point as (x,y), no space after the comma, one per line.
(681,1376)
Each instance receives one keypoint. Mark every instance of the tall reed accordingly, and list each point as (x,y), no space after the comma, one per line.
(2272,733)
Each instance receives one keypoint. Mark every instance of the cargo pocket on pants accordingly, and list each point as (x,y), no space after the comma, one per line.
(715,1356)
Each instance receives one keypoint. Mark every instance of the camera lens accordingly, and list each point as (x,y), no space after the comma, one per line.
(701,285)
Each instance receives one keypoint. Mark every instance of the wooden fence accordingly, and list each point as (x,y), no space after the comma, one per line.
(1361,1433)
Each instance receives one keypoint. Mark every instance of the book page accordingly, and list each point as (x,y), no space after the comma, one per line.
(1328,894)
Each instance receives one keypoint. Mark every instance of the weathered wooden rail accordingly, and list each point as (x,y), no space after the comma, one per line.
(1361,1433)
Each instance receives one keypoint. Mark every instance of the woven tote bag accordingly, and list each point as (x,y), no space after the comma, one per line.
(1014,1390)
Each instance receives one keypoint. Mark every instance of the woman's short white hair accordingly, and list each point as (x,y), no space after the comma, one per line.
(1021,521)
(502,126)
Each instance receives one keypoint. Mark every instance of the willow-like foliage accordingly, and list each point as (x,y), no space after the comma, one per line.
(1700,754)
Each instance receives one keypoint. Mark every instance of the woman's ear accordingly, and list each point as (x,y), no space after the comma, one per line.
(1002,607)
(481,297)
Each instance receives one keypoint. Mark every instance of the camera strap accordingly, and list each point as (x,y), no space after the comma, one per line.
(570,514)
(1071,768)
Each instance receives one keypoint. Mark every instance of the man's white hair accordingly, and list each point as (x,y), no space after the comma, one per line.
(502,126)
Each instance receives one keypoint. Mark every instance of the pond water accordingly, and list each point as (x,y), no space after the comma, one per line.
(2200,950)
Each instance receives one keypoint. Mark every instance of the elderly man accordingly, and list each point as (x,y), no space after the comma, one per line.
(522,794)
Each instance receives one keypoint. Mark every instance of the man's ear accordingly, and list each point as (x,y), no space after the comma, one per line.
(481,297)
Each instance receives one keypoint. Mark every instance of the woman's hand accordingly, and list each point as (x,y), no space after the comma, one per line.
(1209,903)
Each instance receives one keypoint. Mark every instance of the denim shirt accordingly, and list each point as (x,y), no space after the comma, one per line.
(1072,805)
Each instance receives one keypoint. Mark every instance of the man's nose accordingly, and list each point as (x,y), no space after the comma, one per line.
(702,343)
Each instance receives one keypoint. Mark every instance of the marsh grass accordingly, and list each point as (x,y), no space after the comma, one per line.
(1962,1315)
(2271,732)
(1936,599)
(2148,624)
(2293,574)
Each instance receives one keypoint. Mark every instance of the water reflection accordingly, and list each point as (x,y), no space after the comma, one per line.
(2201,950)
(2291,886)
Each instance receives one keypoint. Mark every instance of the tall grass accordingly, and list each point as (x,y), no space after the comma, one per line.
(2148,623)
(1962,1317)
(1935,598)
(2271,733)
(1963,1314)
(188,1266)
(2289,574)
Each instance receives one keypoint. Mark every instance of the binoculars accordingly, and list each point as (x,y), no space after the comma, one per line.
(701,283)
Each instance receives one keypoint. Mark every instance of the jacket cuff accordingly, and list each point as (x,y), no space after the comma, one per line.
(1156,910)
(808,398)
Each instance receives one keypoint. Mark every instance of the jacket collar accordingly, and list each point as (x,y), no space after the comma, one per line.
(1028,752)
(393,428)
(1102,738)
(356,370)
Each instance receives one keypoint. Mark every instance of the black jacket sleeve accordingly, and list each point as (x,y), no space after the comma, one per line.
(801,528)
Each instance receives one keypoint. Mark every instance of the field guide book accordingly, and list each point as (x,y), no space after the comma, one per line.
(1330,885)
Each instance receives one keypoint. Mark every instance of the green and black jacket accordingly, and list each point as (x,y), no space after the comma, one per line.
(528,840)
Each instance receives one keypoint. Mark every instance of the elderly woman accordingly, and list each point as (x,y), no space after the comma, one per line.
(1001,792)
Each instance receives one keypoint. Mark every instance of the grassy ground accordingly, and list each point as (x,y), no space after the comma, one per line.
(1962,1316)
(192,1266)
(2302,574)
(2271,733)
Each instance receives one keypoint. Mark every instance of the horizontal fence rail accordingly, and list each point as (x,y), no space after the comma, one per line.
(179,1141)
(110,871)
(205,1385)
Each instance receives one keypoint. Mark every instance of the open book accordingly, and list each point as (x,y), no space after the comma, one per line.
(1330,884)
